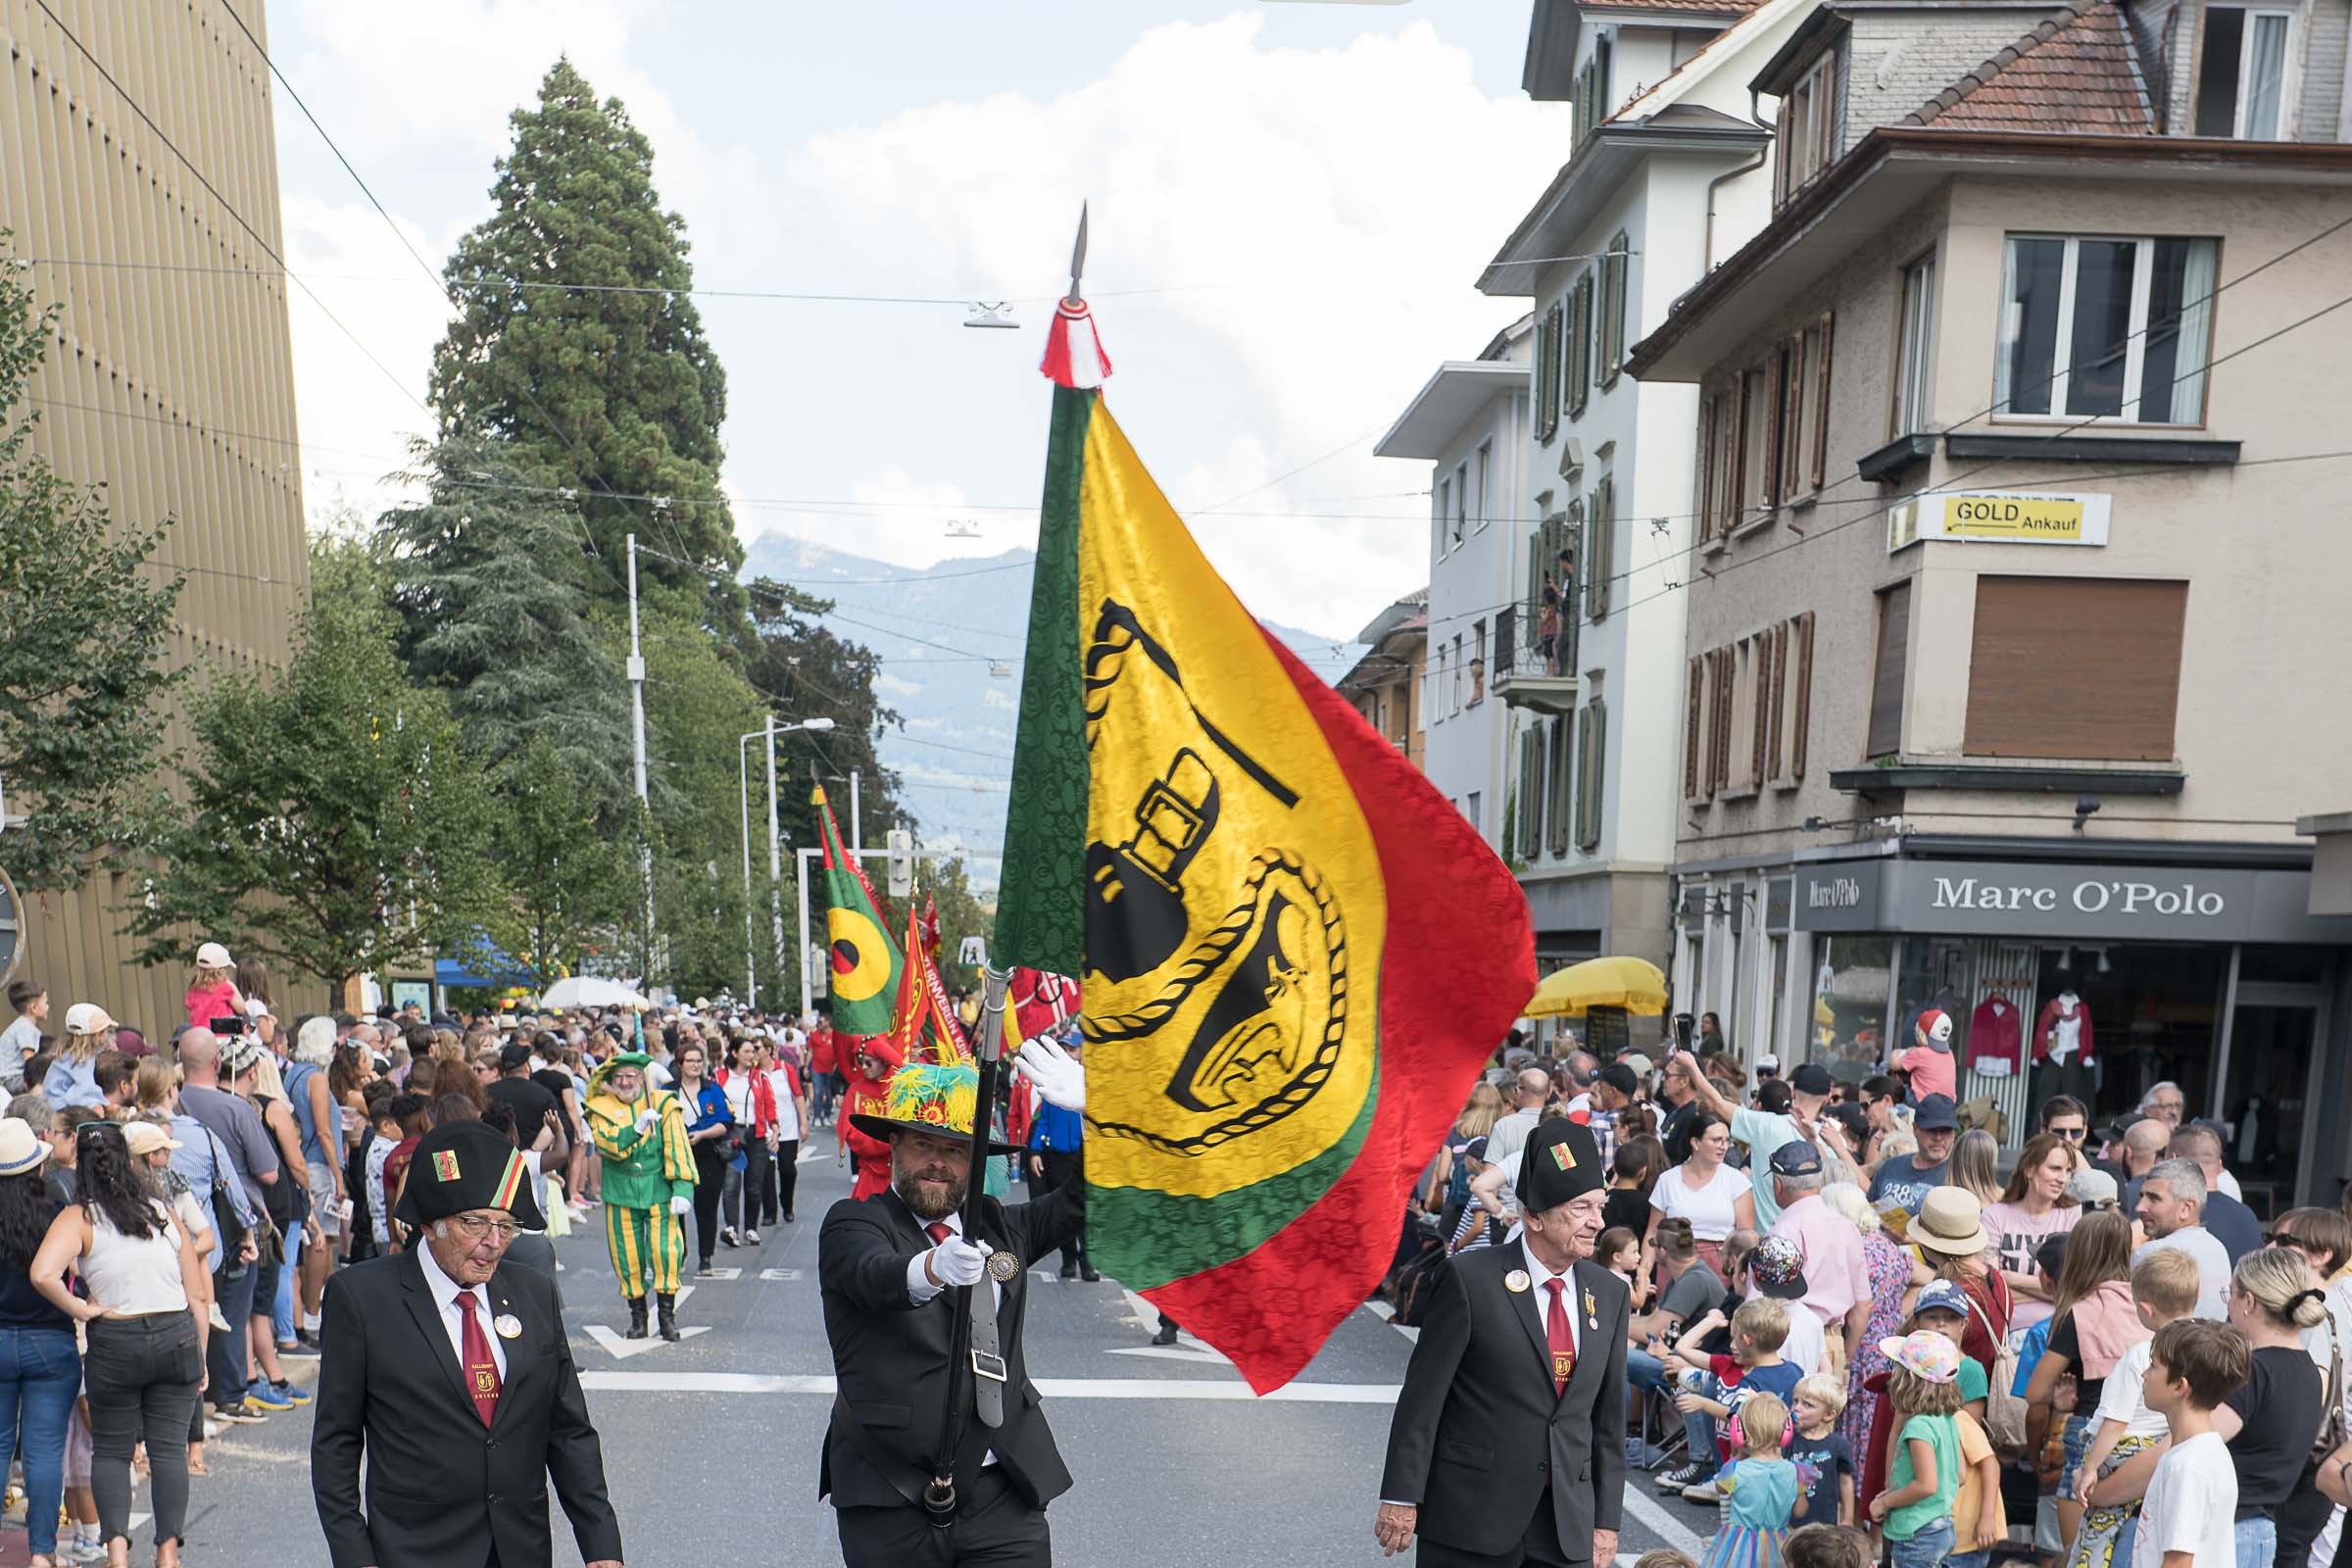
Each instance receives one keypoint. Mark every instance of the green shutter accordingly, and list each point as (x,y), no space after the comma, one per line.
(1612,359)
(1592,762)
(1600,547)
(1562,823)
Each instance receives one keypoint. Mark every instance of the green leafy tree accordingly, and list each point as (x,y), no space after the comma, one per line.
(485,579)
(81,644)
(579,343)
(574,881)
(336,822)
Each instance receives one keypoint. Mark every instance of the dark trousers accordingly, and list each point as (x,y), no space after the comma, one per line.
(225,1353)
(709,1180)
(756,1163)
(994,1526)
(788,1177)
(2301,1518)
(141,1374)
(1061,1170)
(1540,1545)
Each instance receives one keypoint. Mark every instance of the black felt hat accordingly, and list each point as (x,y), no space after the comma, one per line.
(1561,1161)
(461,1166)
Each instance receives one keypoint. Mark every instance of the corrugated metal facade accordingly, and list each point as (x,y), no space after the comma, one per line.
(170,376)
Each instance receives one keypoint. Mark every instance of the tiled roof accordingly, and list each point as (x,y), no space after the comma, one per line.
(2076,73)
(1709,7)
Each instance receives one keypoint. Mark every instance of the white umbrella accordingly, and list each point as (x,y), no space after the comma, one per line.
(590,991)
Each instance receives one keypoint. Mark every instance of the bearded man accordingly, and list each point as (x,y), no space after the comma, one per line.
(895,1269)
(640,1131)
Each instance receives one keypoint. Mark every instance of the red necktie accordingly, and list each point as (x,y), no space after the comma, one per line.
(482,1367)
(939,1231)
(1555,1333)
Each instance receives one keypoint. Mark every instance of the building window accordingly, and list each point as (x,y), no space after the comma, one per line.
(1911,346)
(1440,531)
(1477,663)
(1613,278)
(1548,374)
(1789,459)
(1792,700)
(1887,671)
(1753,464)
(2105,328)
(1459,671)
(1694,711)
(1470,810)
(1461,503)
(2074,666)
(1808,129)
(1819,358)
(1580,346)
(1592,90)
(1485,460)
(2242,76)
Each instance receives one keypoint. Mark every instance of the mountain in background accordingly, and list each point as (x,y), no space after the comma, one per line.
(950,638)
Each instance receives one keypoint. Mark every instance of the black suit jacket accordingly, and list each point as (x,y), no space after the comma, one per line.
(1478,1432)
(442,1488)
(891,1355)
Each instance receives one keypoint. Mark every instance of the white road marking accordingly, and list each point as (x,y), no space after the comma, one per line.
(621,1349)
(1387,1315)
(1665,1526)
(726,1274)
(1050,1387)
(1204,1356)
(1145,1315)
(780,1276)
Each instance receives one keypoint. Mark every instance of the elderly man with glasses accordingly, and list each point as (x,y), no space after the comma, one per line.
(452,1373)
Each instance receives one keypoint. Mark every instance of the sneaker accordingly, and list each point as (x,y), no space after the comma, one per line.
(751,1238)
(239,1414)
(212,1428)
(306,1351)
(1687,1475)
(291,1393)
(264,1397)
(1702,1492)
(726,1234)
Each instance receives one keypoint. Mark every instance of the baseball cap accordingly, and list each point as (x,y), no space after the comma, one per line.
(213,956)
(1778,1267)
(512,1054)
(1767,1063)
(1797,1158)
(1941,1295)
(1618,1076)
(1937,1025)
(2091,1186)
(1811,1078)
(1936,1113)
(87,1018)
(145,1137)
(1642,1066)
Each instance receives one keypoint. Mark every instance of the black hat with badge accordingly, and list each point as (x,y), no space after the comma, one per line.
(1561,1161)
(461,1166)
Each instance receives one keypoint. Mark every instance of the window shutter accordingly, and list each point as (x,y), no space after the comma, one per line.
(1801,719)
(1821,407)
(1889,672)
(1600,547)
(1795,398)
(1694,710)
(1620,280)
(1719,748)
(1580,345)
(1776,692)
(1561,828)
(1776,392)
(1736,491)
(1759,725)
(1530,807)
(1707,413)
(1591,751)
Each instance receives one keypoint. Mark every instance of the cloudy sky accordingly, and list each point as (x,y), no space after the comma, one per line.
(1290,205)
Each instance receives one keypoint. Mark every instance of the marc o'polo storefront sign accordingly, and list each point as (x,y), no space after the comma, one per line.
(1982,898)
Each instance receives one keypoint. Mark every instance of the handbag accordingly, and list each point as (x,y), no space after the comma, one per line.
(229,1224)
(2332,1422)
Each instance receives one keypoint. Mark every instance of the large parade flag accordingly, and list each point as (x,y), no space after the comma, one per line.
(1295,955)
(864,961)
(922,1025)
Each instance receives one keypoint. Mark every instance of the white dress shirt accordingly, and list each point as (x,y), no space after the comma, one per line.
(453,1320)
(1570,1303)
(920,1288)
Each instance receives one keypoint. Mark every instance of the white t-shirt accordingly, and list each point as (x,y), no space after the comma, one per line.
(1708,1208)
(2192,1501)
(1506,1141)
(2121,1396)
(1805,1346)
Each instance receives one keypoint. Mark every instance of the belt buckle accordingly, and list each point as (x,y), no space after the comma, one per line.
(989,1366)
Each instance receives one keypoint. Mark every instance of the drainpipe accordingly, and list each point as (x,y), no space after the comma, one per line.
(1707,248)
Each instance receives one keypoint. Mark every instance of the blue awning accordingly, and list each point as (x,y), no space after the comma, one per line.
(487,967)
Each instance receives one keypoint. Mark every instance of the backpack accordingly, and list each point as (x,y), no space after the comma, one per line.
(1417,1286)
(2005,1409)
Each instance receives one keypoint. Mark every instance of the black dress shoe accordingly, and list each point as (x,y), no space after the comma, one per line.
(1167,1334)
(1069,1271)
(1089,1275)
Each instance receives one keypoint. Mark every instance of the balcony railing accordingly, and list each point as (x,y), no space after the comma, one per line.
(1534,670)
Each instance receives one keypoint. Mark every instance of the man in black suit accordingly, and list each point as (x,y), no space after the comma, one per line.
(455,1376)
(1508,1443)
(895,1269)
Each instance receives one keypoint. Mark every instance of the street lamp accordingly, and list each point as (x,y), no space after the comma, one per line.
(742,770)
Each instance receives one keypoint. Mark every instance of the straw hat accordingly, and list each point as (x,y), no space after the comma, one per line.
(1951,1222)
(20,1152)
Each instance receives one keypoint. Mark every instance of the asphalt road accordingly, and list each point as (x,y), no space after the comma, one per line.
(710,1446)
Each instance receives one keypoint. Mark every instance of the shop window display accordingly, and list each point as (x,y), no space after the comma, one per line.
(1849,1004)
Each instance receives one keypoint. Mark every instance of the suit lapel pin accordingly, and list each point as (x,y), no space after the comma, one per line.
(1004,1267)
(508,1326)
(1515,1281)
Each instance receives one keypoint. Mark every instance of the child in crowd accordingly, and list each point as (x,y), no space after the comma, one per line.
(1941,1309)
(213,994)
(1980,1519)
(2164,1289)
(1923,1480)
(1663,1558)
(1763,1488)
(1823,1460)
(2194,1364)
(1929,1063)
(1823,1547)
(1723,1383)
(1619,1250)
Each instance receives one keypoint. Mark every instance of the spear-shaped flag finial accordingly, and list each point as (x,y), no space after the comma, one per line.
(1074,356)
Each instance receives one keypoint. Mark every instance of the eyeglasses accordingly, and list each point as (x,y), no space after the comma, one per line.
(2077,1134)
(473,1227)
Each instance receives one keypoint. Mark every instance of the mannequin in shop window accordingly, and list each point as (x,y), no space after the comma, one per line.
(2062,1050)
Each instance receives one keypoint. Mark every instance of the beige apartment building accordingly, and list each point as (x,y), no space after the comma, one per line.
(146,208)
(1384,683)
(2016,643)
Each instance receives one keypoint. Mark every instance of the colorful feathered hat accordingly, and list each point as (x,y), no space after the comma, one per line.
(929,1097)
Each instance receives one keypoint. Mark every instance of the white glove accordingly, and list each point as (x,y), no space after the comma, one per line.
(957,1261)
(648,1120)
(681,1204)
(1058,1079)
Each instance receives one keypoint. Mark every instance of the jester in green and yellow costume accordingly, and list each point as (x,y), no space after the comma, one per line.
(640,1131)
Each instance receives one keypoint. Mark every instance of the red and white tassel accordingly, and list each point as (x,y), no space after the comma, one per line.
(1074,356)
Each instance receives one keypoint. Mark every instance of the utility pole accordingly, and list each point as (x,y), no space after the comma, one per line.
(775,862)
(743,780)
(857,818)
(645,851)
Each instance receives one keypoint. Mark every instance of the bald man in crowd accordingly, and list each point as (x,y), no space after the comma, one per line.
(1510,1135)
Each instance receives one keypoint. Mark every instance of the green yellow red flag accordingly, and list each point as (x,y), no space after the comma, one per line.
(864,962)
(1295,955)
